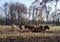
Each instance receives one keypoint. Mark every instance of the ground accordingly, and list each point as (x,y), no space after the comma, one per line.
(54,31)
(52,35)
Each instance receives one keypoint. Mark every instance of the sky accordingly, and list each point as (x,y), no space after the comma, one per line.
(26,2)
(29,2)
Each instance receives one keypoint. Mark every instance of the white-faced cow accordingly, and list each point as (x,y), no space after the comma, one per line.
(15,28)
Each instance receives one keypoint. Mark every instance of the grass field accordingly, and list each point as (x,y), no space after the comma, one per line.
(55,28)
(5,33)
(51,36)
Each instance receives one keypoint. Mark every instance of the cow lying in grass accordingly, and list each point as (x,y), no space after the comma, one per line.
(46,27)
(30,28)
(15,28)
(34,28)
(23,28)
(41,28)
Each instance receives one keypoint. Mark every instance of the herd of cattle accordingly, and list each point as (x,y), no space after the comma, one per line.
(31,28)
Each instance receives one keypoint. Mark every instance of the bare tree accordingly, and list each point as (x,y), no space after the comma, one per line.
(6,11)
(17,10)
(21,10)
(12,12)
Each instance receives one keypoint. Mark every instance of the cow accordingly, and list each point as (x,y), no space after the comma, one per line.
(15,28)
(24,29)
(31,28)
(38,29)
(20,26)
(46,27)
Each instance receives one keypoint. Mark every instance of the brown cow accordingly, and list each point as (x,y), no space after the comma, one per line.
(38,29)
(31,28)
(20,26)
(41,28)
(46,27)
